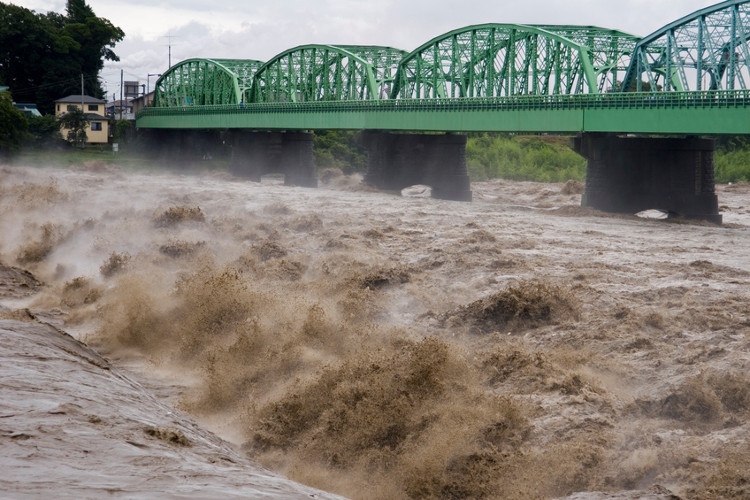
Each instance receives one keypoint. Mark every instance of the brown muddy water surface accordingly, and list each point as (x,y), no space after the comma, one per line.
(165,334)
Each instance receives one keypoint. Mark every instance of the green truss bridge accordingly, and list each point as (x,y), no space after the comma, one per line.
(689,78)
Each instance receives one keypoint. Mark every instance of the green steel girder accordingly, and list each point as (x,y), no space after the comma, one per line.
(706,112)
(245,70)
(200,82)
(384,62)
(706,50)
(315,73)
(494,60)
(610,51)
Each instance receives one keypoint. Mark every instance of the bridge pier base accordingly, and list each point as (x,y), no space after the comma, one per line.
(255,154)
(632,174)
(396,161)
(182,147)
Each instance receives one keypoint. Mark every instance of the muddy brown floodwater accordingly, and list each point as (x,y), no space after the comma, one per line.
(167,334)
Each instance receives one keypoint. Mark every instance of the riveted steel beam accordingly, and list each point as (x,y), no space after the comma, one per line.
(495,60)
(197,82)
(319,73)
(706,50)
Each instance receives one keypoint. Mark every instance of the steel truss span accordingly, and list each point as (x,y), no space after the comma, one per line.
(482,75)
(502,60)
(707,50)
(326,73)
(205,82)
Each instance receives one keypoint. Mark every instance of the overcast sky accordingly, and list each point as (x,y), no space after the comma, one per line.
(255,29)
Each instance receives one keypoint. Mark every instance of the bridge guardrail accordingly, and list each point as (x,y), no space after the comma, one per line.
(627,100)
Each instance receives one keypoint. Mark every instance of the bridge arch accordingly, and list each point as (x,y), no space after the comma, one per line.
(200,82)
(492,60)
(324,73)
(384,62)
(610,51)
(706,50)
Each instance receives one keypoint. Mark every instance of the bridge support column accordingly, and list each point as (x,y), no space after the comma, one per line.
(631,174)
(255,154)
(182,147)
(396,161)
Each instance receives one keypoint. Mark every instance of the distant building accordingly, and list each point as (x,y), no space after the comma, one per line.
(121,110)
(28,109)
(98,129)
(143,101)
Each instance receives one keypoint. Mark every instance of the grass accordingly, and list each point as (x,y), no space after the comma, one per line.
(102,156)
(732,166)
(523,158)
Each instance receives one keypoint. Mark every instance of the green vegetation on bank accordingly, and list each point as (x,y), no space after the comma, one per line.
(732,159)
(488,156)
(549,158)
(546,158)
(13,126)
(339,149)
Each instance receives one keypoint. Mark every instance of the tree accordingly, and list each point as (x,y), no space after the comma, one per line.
(75,123)
(121,130)
(13,125)
(42,56)
(44,130)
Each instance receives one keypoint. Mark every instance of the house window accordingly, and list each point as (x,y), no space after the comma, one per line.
(93,107)
(72,107)
(96,125)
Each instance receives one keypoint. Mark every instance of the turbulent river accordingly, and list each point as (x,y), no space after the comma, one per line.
(200,336)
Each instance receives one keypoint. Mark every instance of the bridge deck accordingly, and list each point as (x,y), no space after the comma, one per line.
(703,112)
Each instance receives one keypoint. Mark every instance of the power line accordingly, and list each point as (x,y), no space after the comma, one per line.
(60,83)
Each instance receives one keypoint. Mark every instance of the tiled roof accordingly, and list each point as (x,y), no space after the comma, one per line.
(77,99)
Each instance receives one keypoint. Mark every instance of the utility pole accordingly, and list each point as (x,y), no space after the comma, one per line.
(83,109)
(121,103)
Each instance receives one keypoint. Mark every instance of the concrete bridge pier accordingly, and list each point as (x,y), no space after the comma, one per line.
(396,161)
(632,174)
(183,146)
(255,154)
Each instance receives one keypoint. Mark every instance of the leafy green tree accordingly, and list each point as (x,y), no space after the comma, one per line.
(74,123)
(122,130)
(44,129)
(530,158)
(42,56)
(339,149)
(13,125)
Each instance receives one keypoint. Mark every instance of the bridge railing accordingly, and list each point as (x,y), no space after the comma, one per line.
(629,100)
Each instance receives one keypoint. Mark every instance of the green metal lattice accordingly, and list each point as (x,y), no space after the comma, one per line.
(706,50)
(315,73)
(494,60)
(203,82)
